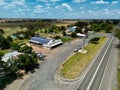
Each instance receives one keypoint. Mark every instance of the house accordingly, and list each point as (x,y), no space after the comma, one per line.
(39,40)
(10,55)
(52,43)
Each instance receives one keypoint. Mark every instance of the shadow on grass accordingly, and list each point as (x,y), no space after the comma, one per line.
(6,80)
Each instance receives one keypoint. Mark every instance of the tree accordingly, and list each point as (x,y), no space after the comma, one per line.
(80,24)
(3,43)
(108,27)
(1,32)
(94,40)
(26,49)
(73,34)
(27,62)
(62,28)
(1,55)
(117,33)
(9,39)
(57,37)
(78,30)
(64,33)
(15,46)
(95,27)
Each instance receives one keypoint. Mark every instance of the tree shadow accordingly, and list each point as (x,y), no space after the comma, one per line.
(117,46)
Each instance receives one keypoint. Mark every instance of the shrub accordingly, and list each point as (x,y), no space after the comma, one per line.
(94,40)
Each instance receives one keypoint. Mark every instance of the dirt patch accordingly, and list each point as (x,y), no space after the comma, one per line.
(38,48)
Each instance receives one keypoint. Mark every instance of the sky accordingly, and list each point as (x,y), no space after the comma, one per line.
(60,9)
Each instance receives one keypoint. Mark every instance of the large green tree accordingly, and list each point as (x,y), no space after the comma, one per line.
(26,49)
(117,33)
(1,32)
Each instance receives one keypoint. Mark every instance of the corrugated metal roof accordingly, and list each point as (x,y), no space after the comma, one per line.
(39,40)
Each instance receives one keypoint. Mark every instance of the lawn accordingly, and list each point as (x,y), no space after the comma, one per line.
(65,39)
(79,61)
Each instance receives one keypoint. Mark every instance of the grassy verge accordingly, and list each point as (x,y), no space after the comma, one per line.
(118,76)
(78,62)
(118,73)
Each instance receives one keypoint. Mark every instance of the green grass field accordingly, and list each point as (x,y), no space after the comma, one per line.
(79,61)
(10,31)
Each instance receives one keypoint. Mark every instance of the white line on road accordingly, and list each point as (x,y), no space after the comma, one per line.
(99,65)
(104,73)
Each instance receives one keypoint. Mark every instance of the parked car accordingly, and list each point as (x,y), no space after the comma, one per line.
(75,50)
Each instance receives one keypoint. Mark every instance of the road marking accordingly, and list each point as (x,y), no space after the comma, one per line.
(104,72)
(99,65)
(88,70)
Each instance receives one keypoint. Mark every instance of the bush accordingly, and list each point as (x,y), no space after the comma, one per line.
(15,46)
(94,40)
(73,34)
(26,49)
(57,37)
(64,33)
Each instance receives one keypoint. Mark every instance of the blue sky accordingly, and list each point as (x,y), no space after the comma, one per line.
(60,9)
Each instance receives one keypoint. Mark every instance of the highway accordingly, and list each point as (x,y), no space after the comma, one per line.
(93,78)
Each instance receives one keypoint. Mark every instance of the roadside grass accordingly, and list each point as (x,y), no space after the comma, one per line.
(118,72)
(79,61)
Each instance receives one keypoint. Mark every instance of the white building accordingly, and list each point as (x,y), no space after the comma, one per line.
(52,43)
(10,55)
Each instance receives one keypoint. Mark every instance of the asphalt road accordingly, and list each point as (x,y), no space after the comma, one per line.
(93,78)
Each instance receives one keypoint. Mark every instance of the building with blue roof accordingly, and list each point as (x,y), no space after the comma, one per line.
(39,40)
(46,42)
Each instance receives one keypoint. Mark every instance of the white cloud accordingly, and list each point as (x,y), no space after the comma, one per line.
(105,9)
(48,0)
(39,8)
(22,10)
(55,0)
(18,2)
(12,3)
(100,2)
(118,12)
(78,1)
(82,12)
(67,6)
(115,2)
(82,8)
